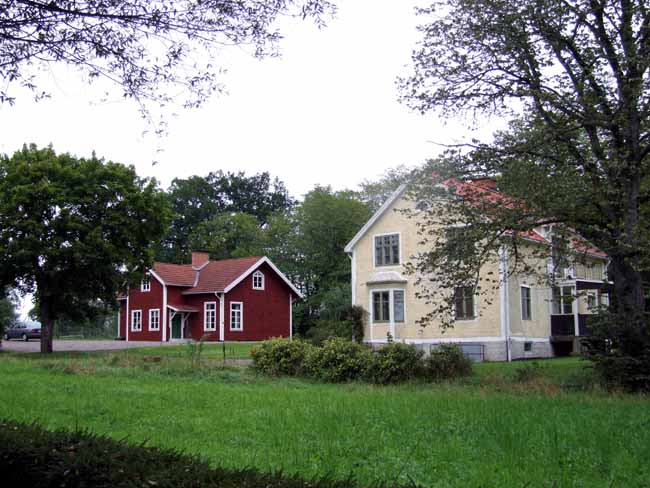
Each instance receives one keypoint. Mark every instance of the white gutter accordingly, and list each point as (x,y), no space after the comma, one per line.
(165,314)
(222,308)
(505,300)
(128,314)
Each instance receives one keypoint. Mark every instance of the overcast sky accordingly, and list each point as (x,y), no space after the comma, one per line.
(326,112)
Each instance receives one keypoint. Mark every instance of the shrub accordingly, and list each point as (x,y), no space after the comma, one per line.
(395,362)
(328,329)
(338,360)
(447,361)
(529,372)
(355,315)
(280,356)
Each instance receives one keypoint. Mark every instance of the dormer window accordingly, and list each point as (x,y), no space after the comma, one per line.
(258,280)
(387,250)
(145,284)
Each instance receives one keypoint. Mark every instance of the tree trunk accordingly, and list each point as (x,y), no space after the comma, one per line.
(47,325)
(628,288)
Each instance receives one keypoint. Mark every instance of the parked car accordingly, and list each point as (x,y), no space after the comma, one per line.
(24,332)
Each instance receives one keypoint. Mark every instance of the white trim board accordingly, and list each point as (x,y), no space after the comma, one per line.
(396,194)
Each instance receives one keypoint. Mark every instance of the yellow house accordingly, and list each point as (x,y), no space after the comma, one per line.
(524,316)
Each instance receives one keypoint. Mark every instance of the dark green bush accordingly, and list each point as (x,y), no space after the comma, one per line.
(447,361)
(280,356)
(355,315)
(395,362)
(33,457)
(620,350)
(328,329)
(338,360)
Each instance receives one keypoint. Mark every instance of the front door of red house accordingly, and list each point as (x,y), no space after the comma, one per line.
(177,324)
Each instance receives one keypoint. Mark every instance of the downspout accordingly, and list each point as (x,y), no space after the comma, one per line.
(222,298)
(505,300)
(290,317)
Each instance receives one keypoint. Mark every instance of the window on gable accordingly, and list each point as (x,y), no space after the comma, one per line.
(210,316)
(526,303)
(464,308)
(459,245)
(387,250)
(258,280)
(145,284)
(154,319)
(236,316)
(384,303)
(136,320)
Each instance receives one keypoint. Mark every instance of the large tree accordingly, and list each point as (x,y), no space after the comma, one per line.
(74,231)
(578,71)
(152,51)
(228,235)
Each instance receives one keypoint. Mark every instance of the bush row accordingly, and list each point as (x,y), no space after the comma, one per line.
(339,360)
(34,457)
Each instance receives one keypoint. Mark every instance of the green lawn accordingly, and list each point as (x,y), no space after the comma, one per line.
(489,430)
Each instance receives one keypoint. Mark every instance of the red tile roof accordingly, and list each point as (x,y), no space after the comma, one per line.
(215,276)
(175,274)
(486,189)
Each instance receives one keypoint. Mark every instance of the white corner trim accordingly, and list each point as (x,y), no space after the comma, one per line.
(290,317)
(127,317)
(353,267)
(396,194)
(263,260)
(165,313)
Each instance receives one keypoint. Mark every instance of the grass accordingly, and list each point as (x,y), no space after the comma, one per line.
(496,428)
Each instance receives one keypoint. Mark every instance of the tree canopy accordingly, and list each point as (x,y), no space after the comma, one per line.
(153,51)
(74,231)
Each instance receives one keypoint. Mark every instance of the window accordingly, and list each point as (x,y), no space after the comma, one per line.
(210,316)
(592,300)
(528,346)
(464,303)
(383,302)
(459,244)
(563,300)
(154,319)
(258,280)
(145,284)
(387,250)
(236,316)
(526,305)
(136,320)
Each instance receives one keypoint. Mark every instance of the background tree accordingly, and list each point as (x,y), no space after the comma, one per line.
(8,315)
(196,200)
(578,70)
(151,51)
(375,192)
(74,230)
(229,235)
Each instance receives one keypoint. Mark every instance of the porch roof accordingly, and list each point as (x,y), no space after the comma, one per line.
(182,308)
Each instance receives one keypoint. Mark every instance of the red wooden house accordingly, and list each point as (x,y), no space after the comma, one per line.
(245,299)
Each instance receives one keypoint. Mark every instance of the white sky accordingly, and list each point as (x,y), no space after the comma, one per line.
(326,112)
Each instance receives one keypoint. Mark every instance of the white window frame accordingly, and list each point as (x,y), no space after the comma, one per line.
(212,311)
(399,250)
(258,274)
(530,301)
(391,306)
(151,316)
(241,316)
(574,302)
(474,305)
(145,284)
(133,321)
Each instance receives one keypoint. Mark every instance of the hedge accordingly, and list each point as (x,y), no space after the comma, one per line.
(35,457)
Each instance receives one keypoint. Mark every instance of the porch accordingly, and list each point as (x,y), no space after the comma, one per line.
(178,322)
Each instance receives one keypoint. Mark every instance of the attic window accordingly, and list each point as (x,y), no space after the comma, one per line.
(258,280)
(145,284)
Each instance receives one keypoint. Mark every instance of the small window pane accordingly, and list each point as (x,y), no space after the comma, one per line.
(380,306)
(398,305)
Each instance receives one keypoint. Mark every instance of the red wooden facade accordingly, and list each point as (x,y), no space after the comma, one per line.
(213,300)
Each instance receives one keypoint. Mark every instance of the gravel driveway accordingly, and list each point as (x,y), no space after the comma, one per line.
(34,345)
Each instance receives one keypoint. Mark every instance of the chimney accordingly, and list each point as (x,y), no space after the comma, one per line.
(199,258)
